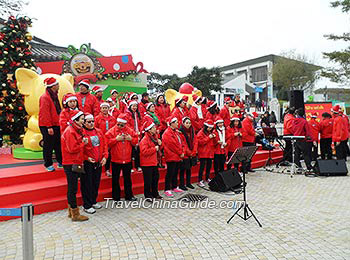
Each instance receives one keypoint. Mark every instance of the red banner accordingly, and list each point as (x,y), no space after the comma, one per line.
(317,107)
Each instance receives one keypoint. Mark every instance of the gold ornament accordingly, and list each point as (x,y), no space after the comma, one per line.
(1,44)
(11,106)
(6,52)
(28,36)
(9,76)
(1,104)
(13,93)
(2,62)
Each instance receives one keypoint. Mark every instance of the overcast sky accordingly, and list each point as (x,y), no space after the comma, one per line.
(173,36)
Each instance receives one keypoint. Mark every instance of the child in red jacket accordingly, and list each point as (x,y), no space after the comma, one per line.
(206,146)
(235,139)
(70,104)
(221,143)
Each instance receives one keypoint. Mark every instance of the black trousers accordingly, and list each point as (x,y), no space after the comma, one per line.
(246,166)
(219,163)
(341,150)
(314,152)
(326,148)
(171,175)
(51,143)
(136,156)
(108,161)
(302,147)
(72,183)
(185,167)
(345,147)
(229,166)
(204,163)
(150,180)
(126,168)
(90,183)
(287,153)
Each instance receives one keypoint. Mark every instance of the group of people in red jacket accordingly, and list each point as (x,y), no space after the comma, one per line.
(333,128)
(130,135)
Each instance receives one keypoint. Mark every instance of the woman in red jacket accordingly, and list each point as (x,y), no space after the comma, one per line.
(181,110)
(206,146)
(121,139)
(248,136)
(95,157)
(70,104)
(162,112)
(73,143)
(113,110)
(235,138)
(150,115)
(149,152)
(213,111)
(221,143)
(189,139)
(326,129)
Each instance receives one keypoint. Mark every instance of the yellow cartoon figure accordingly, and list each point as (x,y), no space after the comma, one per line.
(186,89)
(31,85)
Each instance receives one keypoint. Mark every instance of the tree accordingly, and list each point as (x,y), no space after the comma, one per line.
(14,53)
(163,82)
(11,7)
(341,72)
(293,71)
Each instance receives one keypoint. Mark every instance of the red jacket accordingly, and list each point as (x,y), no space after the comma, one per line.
(210,116)
(88,103)
(204,110)
(326,128)
(179,115)
(248,132)
(148,152)
(47,111)
(104,123)
(121,150)
(131,121)
(197,122)
(314,129)
(72,145)
(301,128)
(218,149)
(142,108)
(122,106)
(187,151)
(65,117)
(338,129)
(234,141)
(345,133)
(114,111)
(173,146)
(206,145)
(95,149)
(163,112)
(225,115)
(288,124)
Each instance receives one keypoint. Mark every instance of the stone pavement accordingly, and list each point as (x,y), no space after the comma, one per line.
(302,218)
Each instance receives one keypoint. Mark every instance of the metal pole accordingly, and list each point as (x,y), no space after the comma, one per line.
(27,231)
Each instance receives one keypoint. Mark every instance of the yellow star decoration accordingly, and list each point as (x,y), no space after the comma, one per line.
(9,76)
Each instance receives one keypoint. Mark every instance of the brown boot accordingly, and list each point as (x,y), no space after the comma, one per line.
(76,215)
(69,211)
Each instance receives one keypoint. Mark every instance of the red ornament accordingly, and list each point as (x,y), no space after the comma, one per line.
(2,36)
(20,108)
(12,26)
(12,64)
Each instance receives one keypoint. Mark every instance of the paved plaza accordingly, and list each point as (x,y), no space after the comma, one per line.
(302,218)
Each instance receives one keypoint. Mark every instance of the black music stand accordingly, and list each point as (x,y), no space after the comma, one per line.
(270,134)
(242,155)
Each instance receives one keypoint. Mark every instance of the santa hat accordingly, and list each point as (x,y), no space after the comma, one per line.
(76,114)
(218,119)
(132,95)
(88,117)
(253,114)
(185,98)
(132,102)
(122,118)
(196,98)
(211,104)
(314,115)
(104,104)
(209,123)
(113,90)
(336,109)
(185,118)
(97,89)
(178,100)
(68,97)
(227,100)
(109,100)
(85,82)
(160,94)
(148,125)
(149,104)
(234,118)
(172,119)
(50,82)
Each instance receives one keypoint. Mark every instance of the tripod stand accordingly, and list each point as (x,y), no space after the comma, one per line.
(293,139)
(242,155)
(270,134)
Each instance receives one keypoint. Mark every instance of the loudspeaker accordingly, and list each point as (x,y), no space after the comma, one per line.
(296,99)
(331,168)
(225,181)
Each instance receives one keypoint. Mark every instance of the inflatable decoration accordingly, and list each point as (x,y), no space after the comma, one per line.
(31,85)
(186,89)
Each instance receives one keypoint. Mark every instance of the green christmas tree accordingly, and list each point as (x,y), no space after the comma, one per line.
(14,53)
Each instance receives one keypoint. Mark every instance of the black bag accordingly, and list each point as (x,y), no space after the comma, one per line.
(194,161)
(78,168)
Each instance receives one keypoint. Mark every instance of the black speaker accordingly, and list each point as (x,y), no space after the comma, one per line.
(296,99)
(225,181)
(331,168)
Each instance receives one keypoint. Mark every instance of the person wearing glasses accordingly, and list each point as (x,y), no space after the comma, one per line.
(121,139)
(95,157)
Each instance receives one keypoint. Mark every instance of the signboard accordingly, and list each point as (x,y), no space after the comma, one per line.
(319,108)
(259,89)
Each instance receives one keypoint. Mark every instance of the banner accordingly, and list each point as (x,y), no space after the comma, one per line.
(317,107)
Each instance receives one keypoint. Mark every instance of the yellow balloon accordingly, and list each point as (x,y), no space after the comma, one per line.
(172,94)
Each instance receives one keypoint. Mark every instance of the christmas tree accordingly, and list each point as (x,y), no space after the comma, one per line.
(14,53)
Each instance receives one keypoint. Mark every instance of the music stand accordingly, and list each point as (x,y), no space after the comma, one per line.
(241,155)
(270,134)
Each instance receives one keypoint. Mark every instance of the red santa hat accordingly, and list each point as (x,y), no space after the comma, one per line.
(314,115)
(88,117)
(97,89)
(147,125)
(227,99)
(209,123)
(50,82)
(104,104)
(149,104)
(178,100)
(76,114)
(68,97)
(160,94)
(109,100)
(132,95)
(234,118)
(253,114)
(172,119)
(113,91)
(196,98)
(218,119)
(186,88)
(336,109)
(85,82)
(185,118)
(132,102)
(211,104)
(122,118)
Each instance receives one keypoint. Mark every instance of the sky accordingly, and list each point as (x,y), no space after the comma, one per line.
(173,36)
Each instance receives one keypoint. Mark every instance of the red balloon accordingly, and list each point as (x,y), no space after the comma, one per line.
(186,88)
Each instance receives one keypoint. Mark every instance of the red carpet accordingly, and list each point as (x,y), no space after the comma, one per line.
(47,190)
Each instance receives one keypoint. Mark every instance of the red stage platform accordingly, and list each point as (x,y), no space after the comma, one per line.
(23,181)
